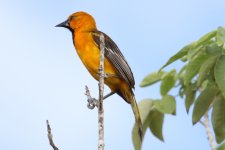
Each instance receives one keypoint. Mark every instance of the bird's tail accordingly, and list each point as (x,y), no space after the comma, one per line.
(127,94)
(137,116)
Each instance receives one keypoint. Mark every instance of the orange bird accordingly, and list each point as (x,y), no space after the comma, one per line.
(86,39)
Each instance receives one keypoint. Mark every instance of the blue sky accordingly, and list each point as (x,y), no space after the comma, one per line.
(42,77)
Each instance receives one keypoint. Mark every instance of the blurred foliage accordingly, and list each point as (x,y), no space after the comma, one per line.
(200,82)
(221,147)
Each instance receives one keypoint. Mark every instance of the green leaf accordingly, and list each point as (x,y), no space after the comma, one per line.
(220,36)
(166,105)
(190,93)
(203,102)
(178,55)
(181,74)
(145,107)
(168,82)
(221,147)
(218,119)
(219,72)
(194,52)
(193,67)
(206,38)
(206,67)
(213,48)
(156,123)
(181,91)
(152,78)
(151,118)
(184,58)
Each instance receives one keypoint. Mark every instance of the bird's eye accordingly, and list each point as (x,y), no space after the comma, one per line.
(72,17)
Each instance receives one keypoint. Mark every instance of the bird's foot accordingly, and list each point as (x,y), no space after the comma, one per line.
(99,73)
(107,75)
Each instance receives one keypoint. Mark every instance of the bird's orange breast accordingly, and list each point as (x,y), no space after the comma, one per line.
(89,54)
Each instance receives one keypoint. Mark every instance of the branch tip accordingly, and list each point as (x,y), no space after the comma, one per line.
(92,102)
(50,137)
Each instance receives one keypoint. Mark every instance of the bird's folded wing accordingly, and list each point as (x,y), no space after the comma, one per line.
(116,58)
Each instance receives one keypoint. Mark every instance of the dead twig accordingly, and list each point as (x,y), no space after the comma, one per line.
(50,137)
(92,102)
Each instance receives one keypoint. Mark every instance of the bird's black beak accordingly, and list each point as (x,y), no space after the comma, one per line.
(65,24)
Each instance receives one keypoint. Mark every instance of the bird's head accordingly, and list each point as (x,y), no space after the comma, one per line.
(79,21)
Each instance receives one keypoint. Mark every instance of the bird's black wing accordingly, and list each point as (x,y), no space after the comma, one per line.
(115,57)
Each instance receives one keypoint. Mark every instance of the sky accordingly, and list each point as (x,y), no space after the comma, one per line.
(42,77)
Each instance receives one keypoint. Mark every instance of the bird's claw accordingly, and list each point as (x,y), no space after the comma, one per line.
(106,75)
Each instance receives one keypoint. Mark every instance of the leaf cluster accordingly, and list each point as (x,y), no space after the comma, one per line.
(201,83)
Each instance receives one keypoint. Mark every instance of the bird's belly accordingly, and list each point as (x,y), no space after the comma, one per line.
(91,59)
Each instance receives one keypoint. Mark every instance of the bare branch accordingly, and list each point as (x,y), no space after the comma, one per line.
(101,94)
(92,102)
(210,137)
(50,137)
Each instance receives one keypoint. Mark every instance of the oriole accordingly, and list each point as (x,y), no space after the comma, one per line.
(86,39)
